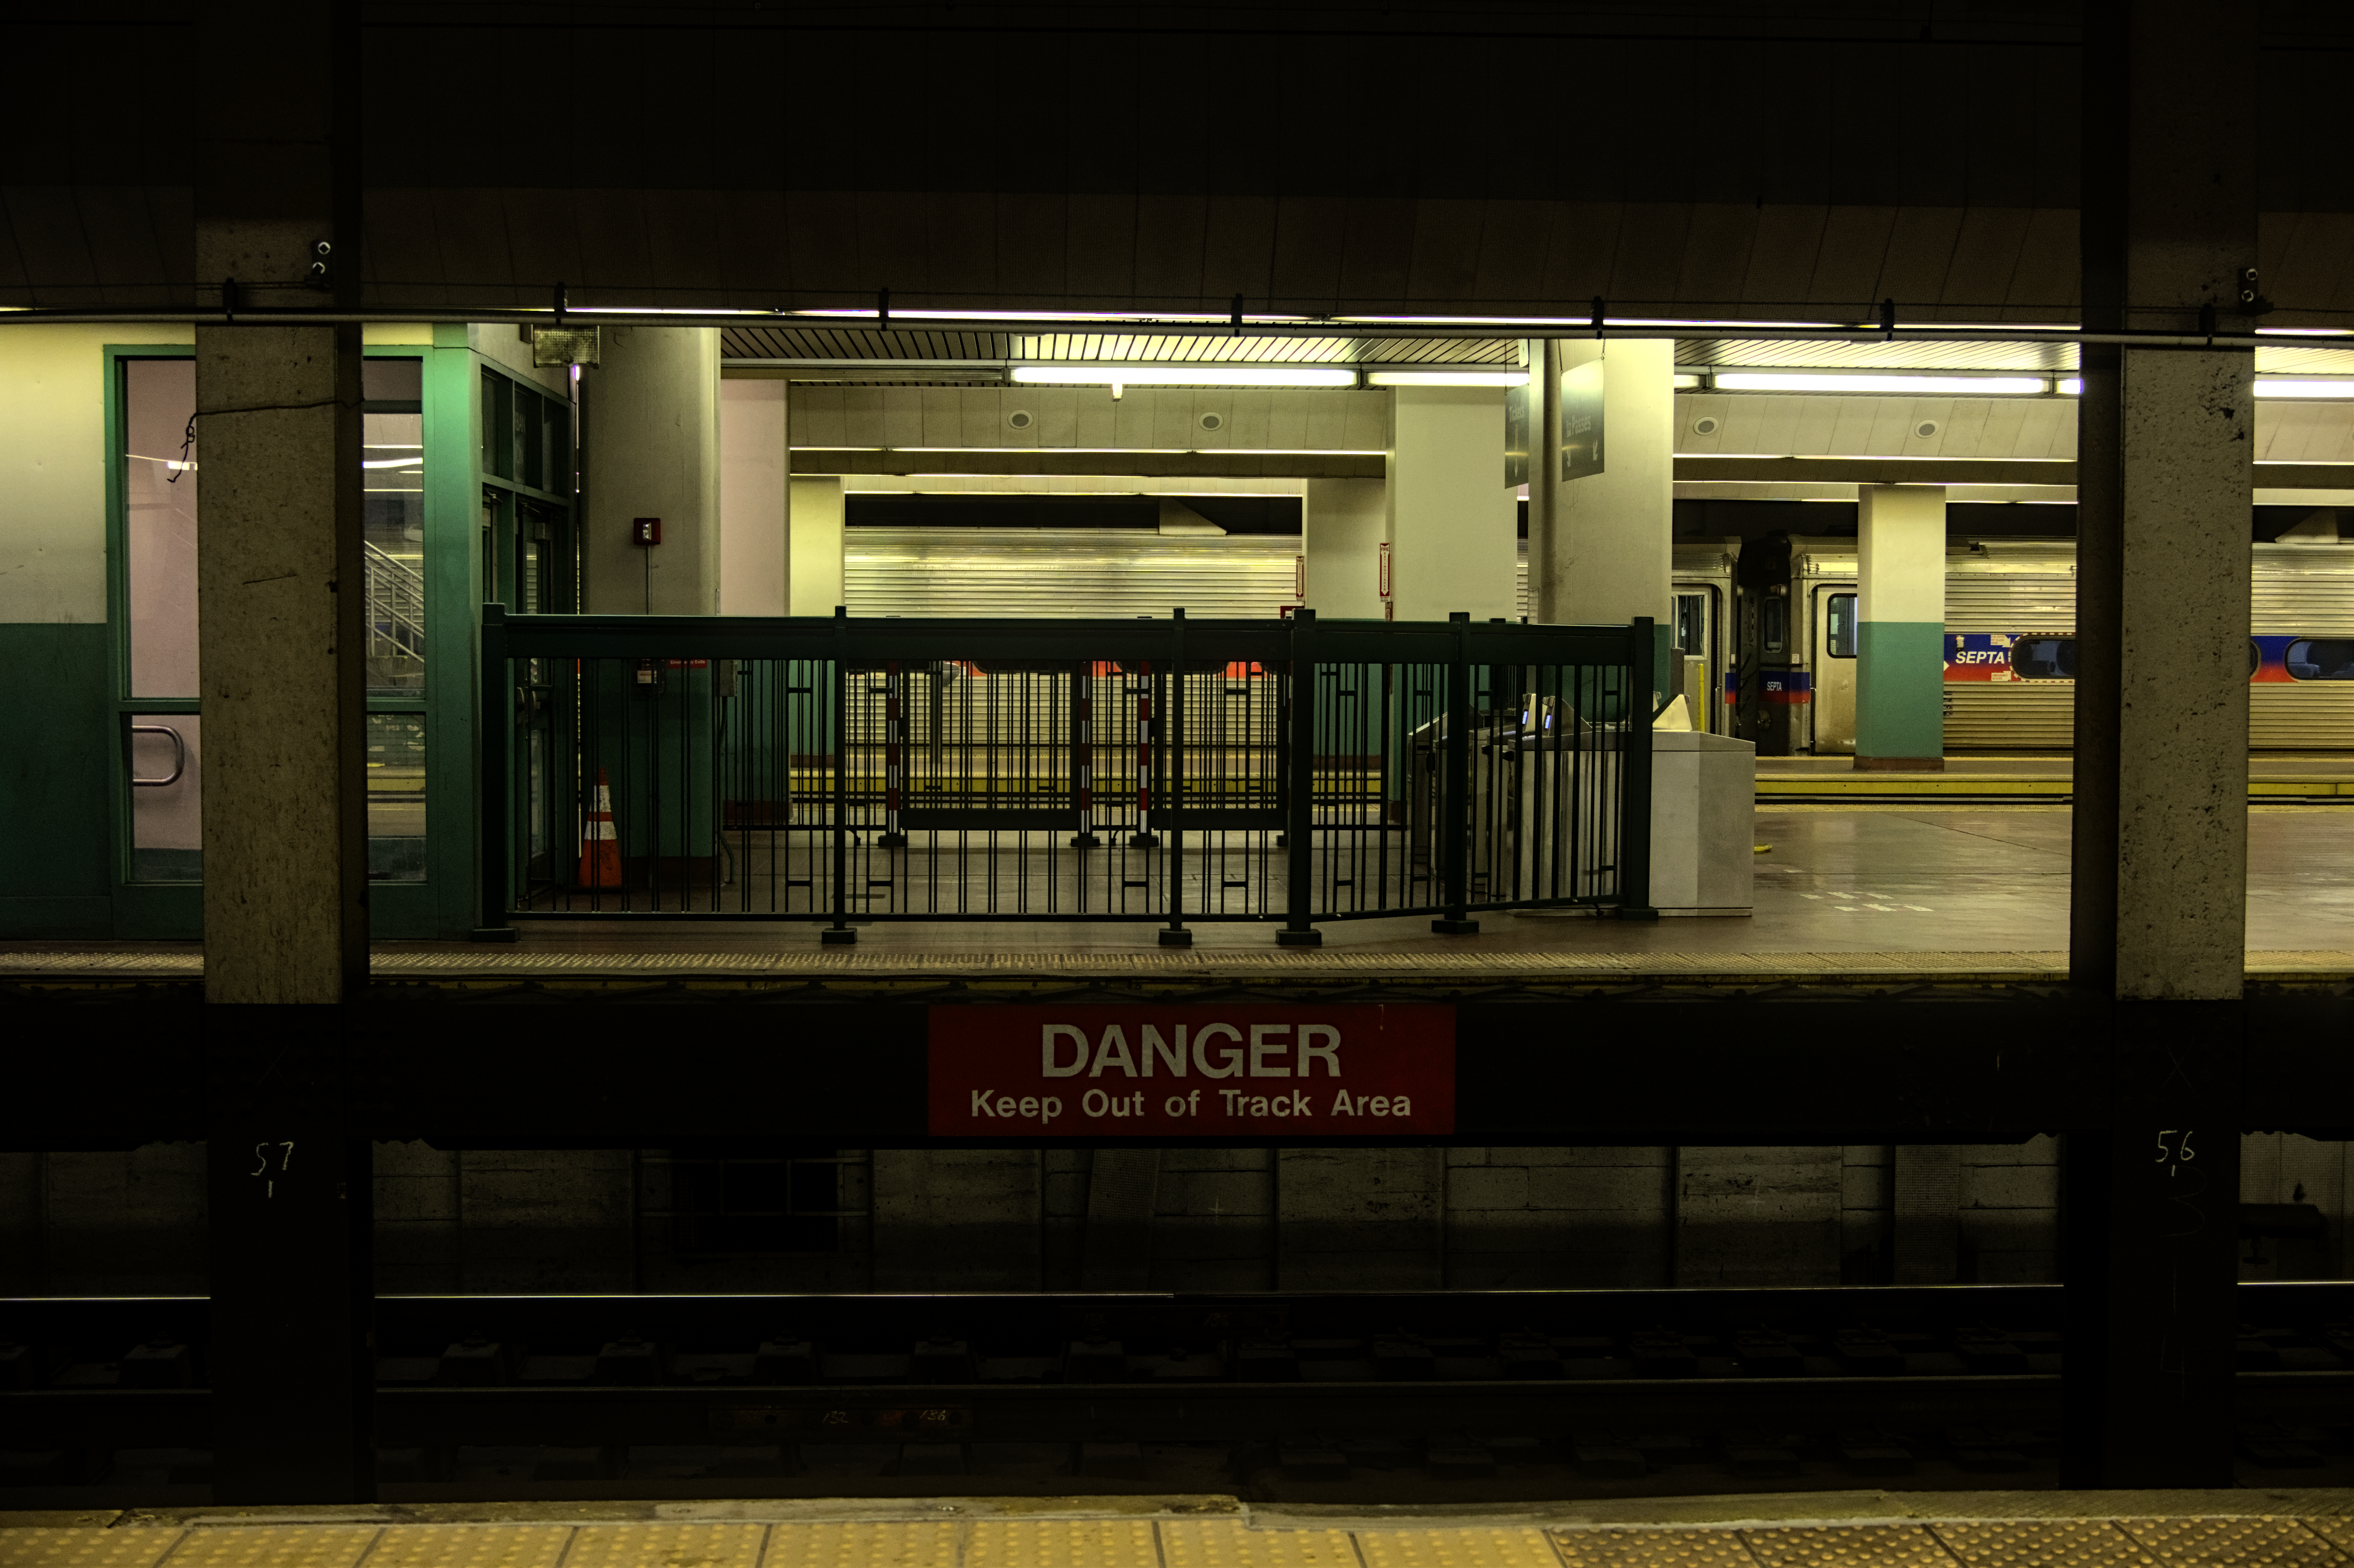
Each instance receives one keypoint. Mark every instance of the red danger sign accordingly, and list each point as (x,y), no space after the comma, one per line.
(1205,1072)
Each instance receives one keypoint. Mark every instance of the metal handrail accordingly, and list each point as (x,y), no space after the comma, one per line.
(397,591)
(179,755)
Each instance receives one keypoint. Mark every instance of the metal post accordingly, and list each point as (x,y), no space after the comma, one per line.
(839,933)
(895,752)
(1300,808)
(1176,936)
(1635,776)
(1083,714)
(495,726)
(1455,808)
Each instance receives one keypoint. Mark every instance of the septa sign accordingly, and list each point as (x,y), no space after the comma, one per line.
(1176,1072)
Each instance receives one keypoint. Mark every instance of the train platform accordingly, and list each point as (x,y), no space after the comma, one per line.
(2241,1529)
(2048,777)
(1974,892)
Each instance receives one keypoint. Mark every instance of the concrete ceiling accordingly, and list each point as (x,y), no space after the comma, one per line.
(1695,159)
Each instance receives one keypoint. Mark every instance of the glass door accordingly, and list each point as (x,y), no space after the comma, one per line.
(159,724)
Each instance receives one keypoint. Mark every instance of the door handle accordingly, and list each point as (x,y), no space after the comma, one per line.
(179,755)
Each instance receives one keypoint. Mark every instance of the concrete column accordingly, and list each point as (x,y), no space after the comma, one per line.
(275,91)
(753,459)
(813,586)
(279,579)
(650,445)
(1900,676)
(1601,546)
(2160,828)
(1452,525)
(1343,524)
(278,576)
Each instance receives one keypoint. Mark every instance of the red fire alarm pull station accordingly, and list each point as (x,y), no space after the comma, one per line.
(645,531)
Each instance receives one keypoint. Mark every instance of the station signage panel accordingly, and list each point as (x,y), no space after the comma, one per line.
(1242,1071)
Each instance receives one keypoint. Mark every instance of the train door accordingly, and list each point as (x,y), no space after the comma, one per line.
(1771,652)
(1833,656)
(1696,635)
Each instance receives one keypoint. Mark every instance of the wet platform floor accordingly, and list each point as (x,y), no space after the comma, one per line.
(1979,889)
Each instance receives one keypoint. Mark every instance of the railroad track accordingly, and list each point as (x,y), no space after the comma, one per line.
(1470,1395)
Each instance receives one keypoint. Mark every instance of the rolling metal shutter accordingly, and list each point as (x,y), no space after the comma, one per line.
(1056,573)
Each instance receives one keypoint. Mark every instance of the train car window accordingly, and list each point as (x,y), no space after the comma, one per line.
(1692,623)
(1777,627)
(2321,659)
(1840,630)
(2044,658)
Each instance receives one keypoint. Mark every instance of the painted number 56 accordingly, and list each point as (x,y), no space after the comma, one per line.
(2177,1154)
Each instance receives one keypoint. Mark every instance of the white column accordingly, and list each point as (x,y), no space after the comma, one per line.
(752,472)
(814,584)
(1601,547)
(1900,675)
(651,448)
(1343,524)
(1452,525)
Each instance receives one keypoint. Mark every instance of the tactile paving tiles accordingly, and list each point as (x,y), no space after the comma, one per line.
(1457,1549)
(470,1546)
(2043,1543)
(2336,1530)
(1652,1549)
(665,1546)
(1062,1544)
(863,1545)
(273,1546)
(40,1547)
(1848,1546)
(1227,1544)
(2233,1543)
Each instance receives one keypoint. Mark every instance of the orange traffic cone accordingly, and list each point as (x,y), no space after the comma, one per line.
(601,848)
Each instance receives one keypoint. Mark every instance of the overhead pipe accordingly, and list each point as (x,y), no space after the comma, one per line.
(1501,328)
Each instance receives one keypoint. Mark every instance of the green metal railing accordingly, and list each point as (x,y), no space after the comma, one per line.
(845,770)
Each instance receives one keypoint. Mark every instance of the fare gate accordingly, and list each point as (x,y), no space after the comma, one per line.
(846,771)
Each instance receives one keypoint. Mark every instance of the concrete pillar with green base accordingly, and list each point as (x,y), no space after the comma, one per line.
(1899,690)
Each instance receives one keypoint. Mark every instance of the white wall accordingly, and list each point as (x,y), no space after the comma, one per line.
(53,468)
(1609,555)
(1089,418)
(752,497)
(1453,526)
(650,447)
(1343,524)
(815,583)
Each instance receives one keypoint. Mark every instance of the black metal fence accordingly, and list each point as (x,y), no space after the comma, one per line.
(1174,772)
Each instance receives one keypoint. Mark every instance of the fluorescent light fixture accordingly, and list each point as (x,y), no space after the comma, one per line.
(2283,386)
(1685,383)
(1507,325)
(1162,375)
(2069,386)
(1140,318)
(1500,375)
(1824,381)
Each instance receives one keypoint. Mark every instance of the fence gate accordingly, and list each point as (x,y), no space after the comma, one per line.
(846,771)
